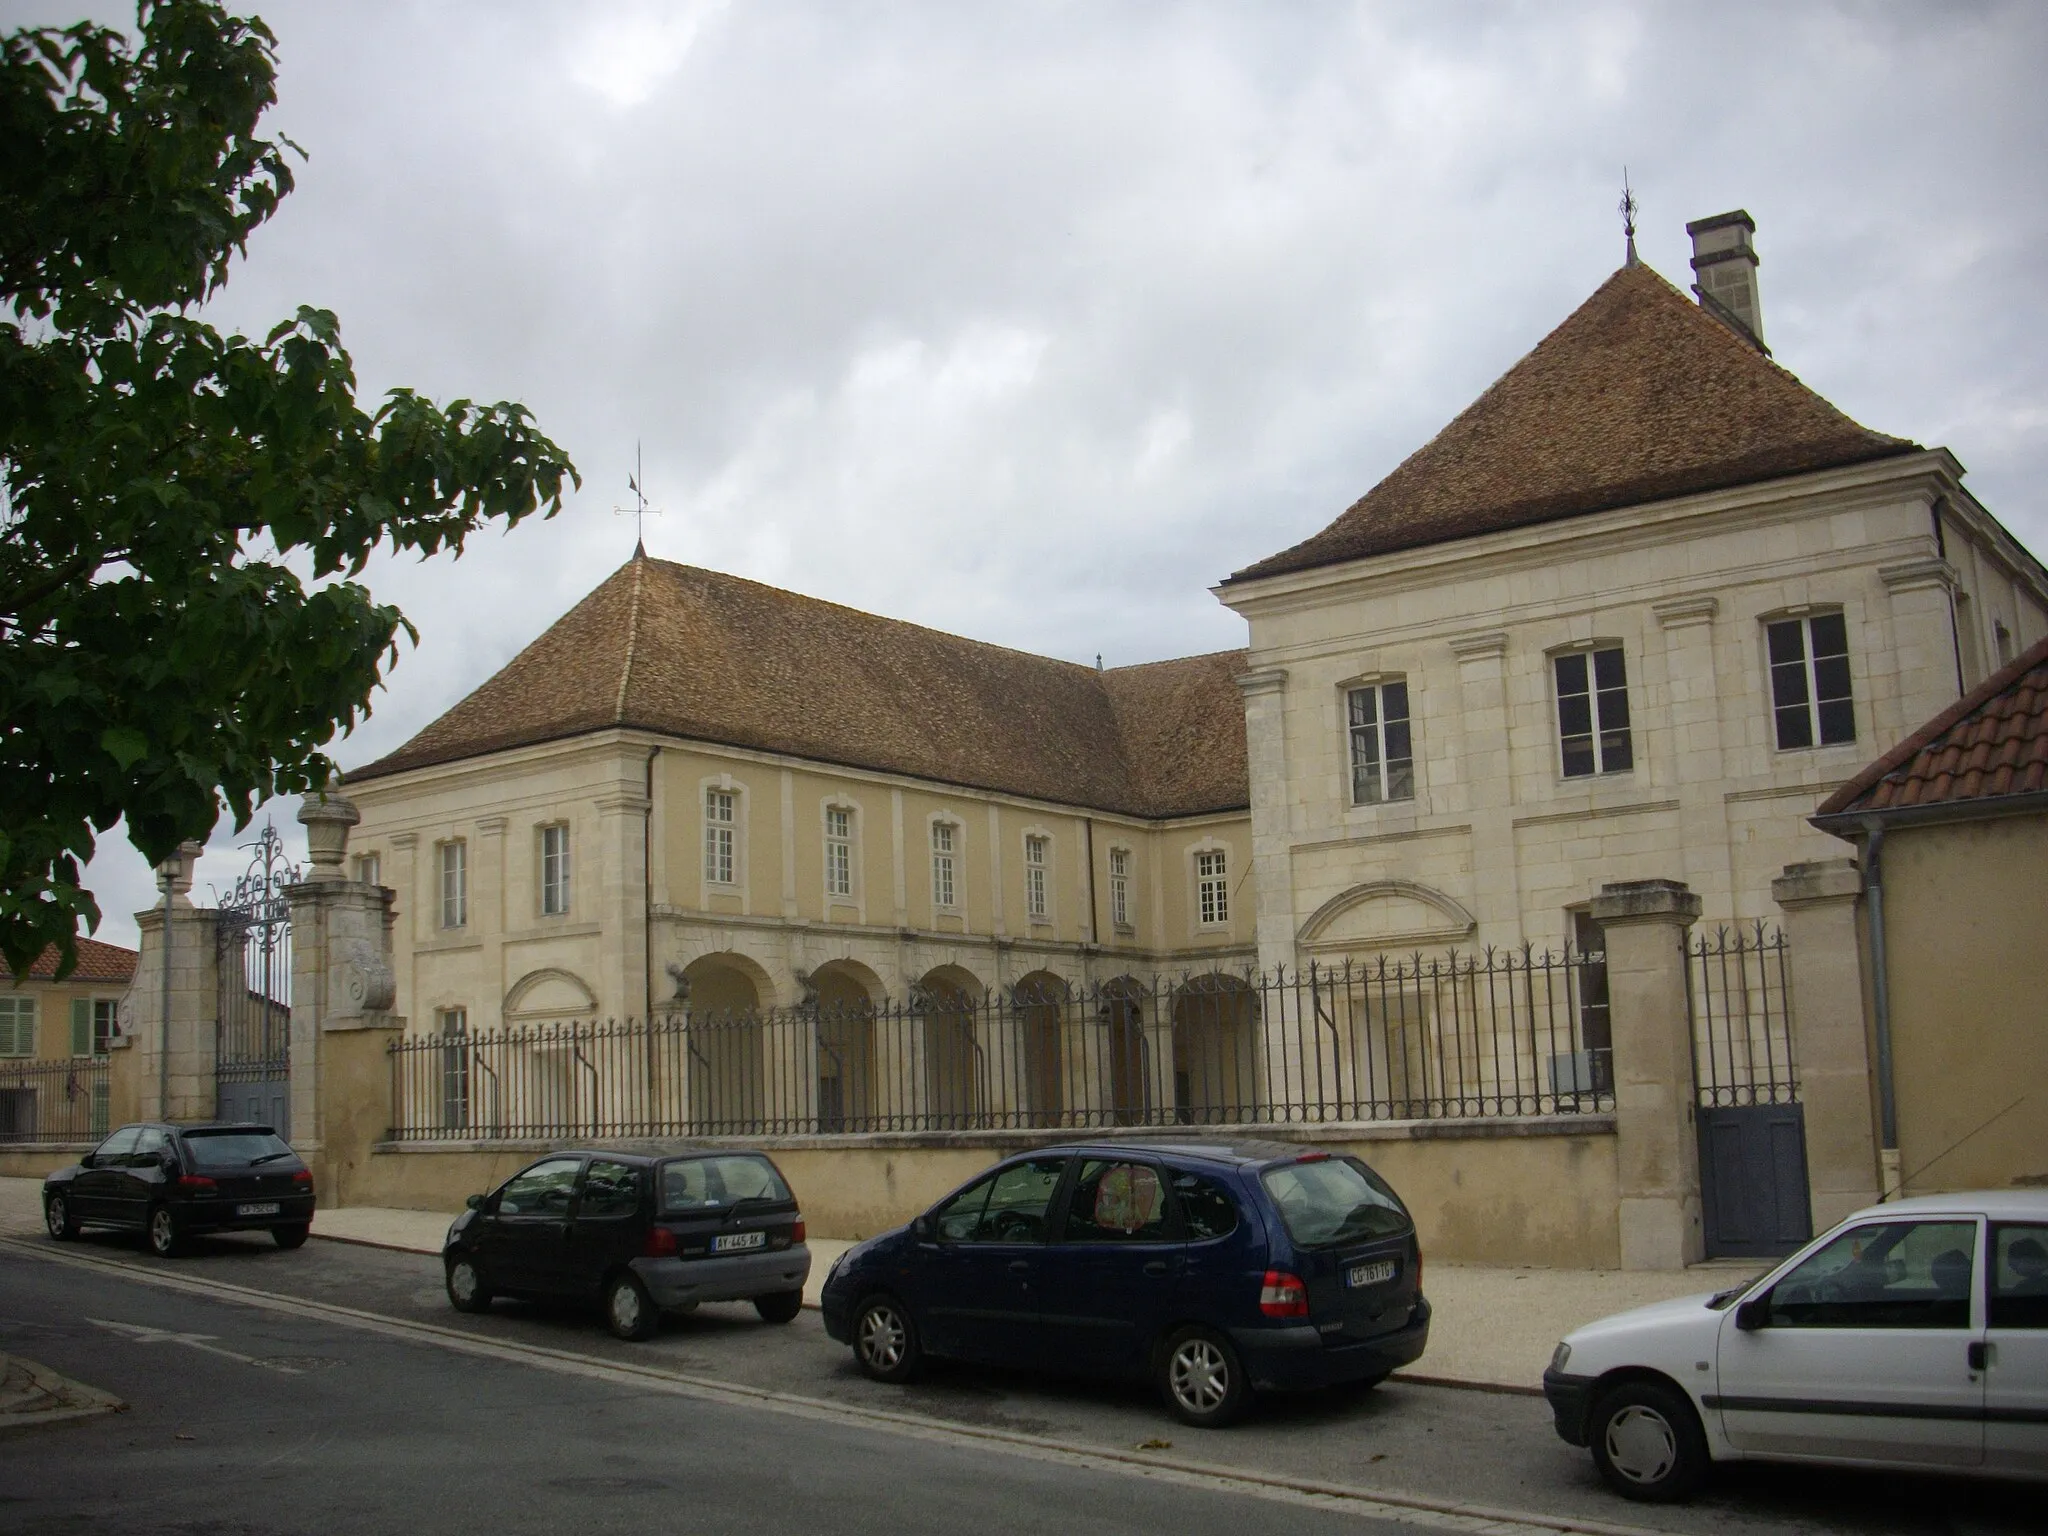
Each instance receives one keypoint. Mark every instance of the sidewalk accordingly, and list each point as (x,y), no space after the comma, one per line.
(32,1394)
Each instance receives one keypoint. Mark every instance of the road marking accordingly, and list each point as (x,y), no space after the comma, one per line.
(205,1341)
(1344,1498)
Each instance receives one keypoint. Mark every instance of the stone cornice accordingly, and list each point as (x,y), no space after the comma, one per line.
(1680,612)
(1481,647)
(1918,575)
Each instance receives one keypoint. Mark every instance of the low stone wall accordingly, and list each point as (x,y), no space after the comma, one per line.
(34,1162)
(1538,1191)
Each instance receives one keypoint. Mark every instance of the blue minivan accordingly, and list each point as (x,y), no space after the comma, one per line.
(1215,1268)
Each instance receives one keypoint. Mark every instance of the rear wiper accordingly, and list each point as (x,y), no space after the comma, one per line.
(269,1157)
(734,1209)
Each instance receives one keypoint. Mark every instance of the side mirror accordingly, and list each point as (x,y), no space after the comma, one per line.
(87,1161)
(922,1228)
(474,1202)
(1754,1313)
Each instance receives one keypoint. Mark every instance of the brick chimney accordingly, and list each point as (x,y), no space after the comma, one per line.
(1724,264)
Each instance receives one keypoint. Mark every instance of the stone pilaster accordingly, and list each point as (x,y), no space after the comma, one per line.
(168,1070)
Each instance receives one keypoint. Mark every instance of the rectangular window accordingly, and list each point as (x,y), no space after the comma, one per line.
(1592,713)
(554,871)
(942,863)
(454,884)
(1212,887)
(721,807)
(838,851)
(452,1025)
(17,1026)
(1120,887)
(1034,878)
(369,869)
(1382,761)
(1810,681)
(106,1012)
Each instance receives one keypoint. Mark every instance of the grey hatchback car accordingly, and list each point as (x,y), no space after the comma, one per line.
(640,1234)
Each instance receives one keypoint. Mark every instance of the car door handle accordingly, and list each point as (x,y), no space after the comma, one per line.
(1020,1266)
(1156,1267)
(1978,1355)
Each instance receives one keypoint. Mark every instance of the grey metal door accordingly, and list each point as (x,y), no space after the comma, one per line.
(1753,1180)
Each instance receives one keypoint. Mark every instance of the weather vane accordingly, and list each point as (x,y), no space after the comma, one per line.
(640,510)
(1628,216)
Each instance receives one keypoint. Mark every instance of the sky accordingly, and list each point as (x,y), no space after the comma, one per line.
(1033,321)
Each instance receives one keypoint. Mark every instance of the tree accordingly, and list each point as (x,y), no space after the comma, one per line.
(163,487)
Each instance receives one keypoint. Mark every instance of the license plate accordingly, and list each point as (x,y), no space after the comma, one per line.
(1377,1273)
(265,1208)
(734,1242)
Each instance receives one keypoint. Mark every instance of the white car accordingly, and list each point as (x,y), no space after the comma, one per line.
(1913,1335)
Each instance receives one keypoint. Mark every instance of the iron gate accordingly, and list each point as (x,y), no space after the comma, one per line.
(1752,1128)
(252,1029)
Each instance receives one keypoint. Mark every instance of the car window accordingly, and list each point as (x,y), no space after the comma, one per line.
(1207,1207)
(116,1146)
(1117,1203)
(2019,1275)
(1008,1206)
(1328,1200)
(610,1190)
(1894,1274)
(235,1149)
(542,1190)
(700,1183)
(149,1146)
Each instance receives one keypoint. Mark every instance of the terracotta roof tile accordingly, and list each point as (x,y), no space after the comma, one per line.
(97,962)
(1991,742)
(1638,396)
(698,654)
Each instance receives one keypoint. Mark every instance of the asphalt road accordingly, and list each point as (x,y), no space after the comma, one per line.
(534,1418)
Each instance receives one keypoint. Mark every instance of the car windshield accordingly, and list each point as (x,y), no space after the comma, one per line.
(1334,1200)
(708,1183)
(235,1149)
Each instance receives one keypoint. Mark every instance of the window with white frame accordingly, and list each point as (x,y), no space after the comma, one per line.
(945,851)
(92,1024)
(369,869)
(721,830)
(1592,712)
(554,870)
(1212,887)
(452,1025)
(17,1026)
(838,850)
(1120,887)
(1382,757)
(1810,702)
(454,883)
(1035,906)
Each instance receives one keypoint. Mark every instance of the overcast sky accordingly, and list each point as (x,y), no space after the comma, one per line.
(1032,321)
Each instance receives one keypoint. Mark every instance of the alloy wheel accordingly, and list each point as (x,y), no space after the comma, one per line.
(1199,1375)
(882,1337)
(462,1283)
(625,1308)
(58,1217)
(1641,1444)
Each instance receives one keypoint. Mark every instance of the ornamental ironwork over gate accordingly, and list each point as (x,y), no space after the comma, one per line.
(252,1029)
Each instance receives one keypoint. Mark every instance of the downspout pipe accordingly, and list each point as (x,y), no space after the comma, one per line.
(163,1026)
(1881,996)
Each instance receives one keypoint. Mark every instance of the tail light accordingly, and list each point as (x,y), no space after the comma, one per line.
(796,1233)
(660,1244)
(197,1184)
(1283,1295)
(303,1179)
(1418,1269)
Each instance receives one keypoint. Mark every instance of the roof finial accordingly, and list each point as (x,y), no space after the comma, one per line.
(641,511)
(1628,219)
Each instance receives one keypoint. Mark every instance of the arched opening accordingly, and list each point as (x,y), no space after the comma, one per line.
(949,999)
(1215,1063)
(1040,1057)
(725,1057)
(1130,1082)
(847,993)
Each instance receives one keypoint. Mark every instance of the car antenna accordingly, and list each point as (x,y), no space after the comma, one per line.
(1906,1178)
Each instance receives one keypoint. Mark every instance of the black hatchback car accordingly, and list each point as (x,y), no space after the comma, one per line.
(640,1234)
(170,1182)
(1215,1268)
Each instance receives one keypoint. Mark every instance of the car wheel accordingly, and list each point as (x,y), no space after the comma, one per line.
(1647,1442)
(58,1218)
(629,1311)
(291,1237)
(1202,1379)
(165,1237)
(782,1307)
(885,1340)
(466,1289)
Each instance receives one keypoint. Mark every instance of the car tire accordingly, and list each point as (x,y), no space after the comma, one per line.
(466,1289)
(1647,1442)
(1202,1378)
(629,1311)
(885,1342)
(781,1307)
(163,1232)
(58,1218)
(292,1236)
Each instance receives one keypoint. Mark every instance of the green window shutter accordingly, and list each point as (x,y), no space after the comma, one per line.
(81,1026)
(17,1026)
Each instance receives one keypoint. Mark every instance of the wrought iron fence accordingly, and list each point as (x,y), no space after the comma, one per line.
(1490,1034)
(52,1102)
(1738,988)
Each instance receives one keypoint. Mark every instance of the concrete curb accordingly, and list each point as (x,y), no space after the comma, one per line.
(33,1396)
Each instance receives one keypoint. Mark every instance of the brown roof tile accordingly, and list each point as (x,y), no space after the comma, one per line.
(1638,396)
(97,962)
(1991,742)
(698,654)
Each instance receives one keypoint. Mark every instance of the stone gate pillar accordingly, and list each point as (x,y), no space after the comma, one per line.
(1656,1135)
(1830,1049)
(162,1063)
